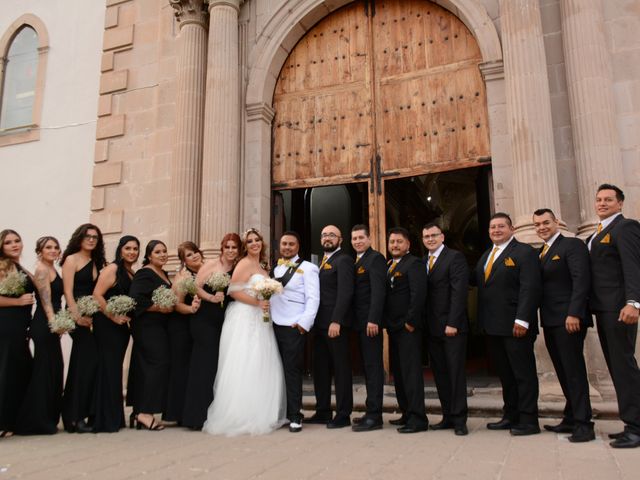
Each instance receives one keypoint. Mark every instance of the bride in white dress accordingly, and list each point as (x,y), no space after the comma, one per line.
(249,395)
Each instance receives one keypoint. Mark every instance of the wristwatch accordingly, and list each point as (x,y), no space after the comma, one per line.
(634,304)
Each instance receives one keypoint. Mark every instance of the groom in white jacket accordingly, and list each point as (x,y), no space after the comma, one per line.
(293,313)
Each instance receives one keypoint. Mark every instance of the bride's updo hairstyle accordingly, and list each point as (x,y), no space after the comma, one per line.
(264,261)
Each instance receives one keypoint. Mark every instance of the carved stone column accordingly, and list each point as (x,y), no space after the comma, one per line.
(186,167)
(535,178)
(220,210)
(590,86)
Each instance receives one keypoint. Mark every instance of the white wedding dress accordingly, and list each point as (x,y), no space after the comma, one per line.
(249,395)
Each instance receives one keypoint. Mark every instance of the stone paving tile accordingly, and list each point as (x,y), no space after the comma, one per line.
(317,453)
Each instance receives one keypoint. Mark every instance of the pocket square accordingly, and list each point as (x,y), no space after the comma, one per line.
(360,270)
(556,257)
(606,239)
(327,266)
(397,274)
(299,270)
(508,262)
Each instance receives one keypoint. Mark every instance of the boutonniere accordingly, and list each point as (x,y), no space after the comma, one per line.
(397,274)
(360,270)
(556,257)
(299,270)
(508,262)
(286,263)
(606,239)
(327,266)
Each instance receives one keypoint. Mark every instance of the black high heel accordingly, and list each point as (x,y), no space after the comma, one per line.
(153,426)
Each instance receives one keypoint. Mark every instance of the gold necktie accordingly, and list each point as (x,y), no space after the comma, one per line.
(545,249)
(432,260)
(599,229)
(324,260)
(487,271)
(392,267)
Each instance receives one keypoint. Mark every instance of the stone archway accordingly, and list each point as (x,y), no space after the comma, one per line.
(281,33)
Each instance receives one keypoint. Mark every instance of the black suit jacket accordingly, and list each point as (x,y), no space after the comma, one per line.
(511,292)
(447,287)
(406,294)
(565,282)
(336,291)
(370,289)
(615,265)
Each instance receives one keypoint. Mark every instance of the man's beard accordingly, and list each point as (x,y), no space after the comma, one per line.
(329,249)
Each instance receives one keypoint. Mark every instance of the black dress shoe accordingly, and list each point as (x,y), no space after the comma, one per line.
(339,422)
(461,430)
(358,420)
(319,419)
(562,427)
(523,429)
(413,428)
(629,440)
(582,435)
(615,436)
(443,425)
(295,427)
(504,424)
(367,425)
(399,421)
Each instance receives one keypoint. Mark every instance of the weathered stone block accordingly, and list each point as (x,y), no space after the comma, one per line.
(101,153)
(110,126)
(114,81)
(109,173)
(109,222)
(107,61)
(117,38)
(104,105)
(111,17)
(97,199)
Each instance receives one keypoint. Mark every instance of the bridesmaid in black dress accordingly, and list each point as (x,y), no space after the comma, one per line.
(206,327)
(151,338)
(191,259)
(15,315)
(111,333)
(40,411)
(81,263)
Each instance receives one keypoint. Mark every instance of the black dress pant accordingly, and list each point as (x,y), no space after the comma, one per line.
(291,345)
(566,352)
(407,375)
(371,353)
(332,354)
(516,365)
(448,357)
(618,341)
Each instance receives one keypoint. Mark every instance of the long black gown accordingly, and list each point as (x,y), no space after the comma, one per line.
(150,377)
(40,411)
(206,327)
(77,401)
(111,341)
(180,345)
(15,359)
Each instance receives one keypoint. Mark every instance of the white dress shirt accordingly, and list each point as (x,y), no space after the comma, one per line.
(435,256)
(605,223)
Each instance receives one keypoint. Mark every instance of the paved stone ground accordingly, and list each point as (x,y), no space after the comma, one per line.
(318,453)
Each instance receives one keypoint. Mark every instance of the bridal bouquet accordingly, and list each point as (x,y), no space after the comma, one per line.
(265,289)
(164,297)
(188,286)
(62,322)
(217,282)
(14,284)
(87,306)
(120,305)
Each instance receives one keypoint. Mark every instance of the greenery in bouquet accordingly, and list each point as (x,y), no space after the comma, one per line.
(120,305)
(14,284)
(164,297)
(188,286)
(217,282)
(87,306)
(62,322)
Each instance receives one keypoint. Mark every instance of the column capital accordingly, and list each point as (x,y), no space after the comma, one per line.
(226,3)
(190,11)
(492,70)
(260,111)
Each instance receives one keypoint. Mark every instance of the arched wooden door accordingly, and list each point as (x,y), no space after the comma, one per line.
(379,90)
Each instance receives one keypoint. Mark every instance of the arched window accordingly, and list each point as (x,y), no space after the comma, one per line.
(20,72)
(23,60)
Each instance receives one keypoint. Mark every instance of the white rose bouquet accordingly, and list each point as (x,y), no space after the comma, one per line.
(264,290)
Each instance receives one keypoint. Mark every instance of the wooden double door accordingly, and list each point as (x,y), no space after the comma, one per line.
(376,92)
